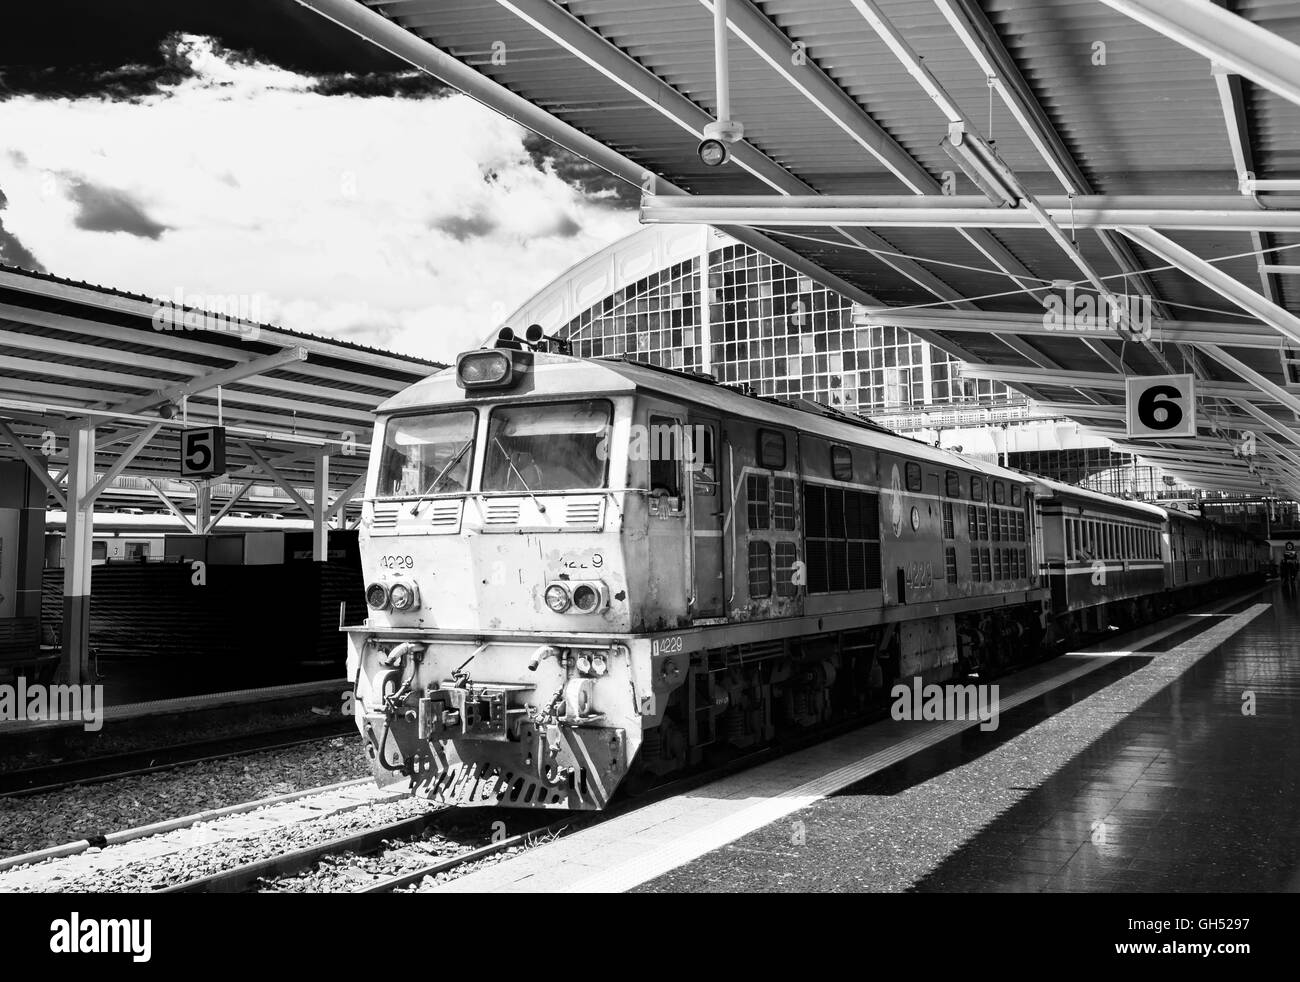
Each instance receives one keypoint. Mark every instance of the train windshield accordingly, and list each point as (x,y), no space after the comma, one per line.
(557,446)
(425,455)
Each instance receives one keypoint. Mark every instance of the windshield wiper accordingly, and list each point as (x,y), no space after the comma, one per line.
(415,508)
(511,464)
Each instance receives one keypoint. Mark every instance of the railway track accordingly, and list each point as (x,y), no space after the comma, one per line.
(94,770)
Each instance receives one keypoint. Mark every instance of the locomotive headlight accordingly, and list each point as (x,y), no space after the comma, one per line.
(588,597)
(583,663)
(377,596)
(557,598)
(599,666)
(402,597)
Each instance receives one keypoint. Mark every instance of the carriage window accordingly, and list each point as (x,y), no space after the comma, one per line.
(771,449)
(999,493)
(913,477)
(953,482)
(976,489)
(427,454)
(841,464)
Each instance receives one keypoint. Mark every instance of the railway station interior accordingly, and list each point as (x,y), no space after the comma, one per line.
(1038,256)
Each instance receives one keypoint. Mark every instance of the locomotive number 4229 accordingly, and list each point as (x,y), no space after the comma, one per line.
(397,562)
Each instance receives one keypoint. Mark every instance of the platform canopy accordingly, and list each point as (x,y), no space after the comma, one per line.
(98,385)
(1143,150)
(74,355)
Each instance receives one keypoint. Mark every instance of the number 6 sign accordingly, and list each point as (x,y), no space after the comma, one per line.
(1161,406)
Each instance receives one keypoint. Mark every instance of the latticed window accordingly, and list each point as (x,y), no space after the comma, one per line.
(949,532)
(842,529)
(756,491)
(783,513)
(760,569)
(787,553)
(950,563)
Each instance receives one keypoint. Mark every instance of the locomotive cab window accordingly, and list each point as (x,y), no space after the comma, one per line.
(999,493)
(427,454)
(1017,496)
(913,477)
(952,481)
(976,489)
(549,447)
(771,449)
(841,463)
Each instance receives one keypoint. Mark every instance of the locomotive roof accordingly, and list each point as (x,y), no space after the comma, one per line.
(591,377)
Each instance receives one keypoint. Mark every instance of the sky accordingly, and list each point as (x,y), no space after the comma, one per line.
(251,148)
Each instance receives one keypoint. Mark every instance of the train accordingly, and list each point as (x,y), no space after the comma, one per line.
(581,572)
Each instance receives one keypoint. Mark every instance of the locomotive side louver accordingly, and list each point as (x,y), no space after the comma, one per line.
(501,513)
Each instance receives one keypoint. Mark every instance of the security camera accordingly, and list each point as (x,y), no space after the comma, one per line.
(718,136)
(713,153)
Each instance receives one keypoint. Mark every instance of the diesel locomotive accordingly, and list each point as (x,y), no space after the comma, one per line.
(577,569)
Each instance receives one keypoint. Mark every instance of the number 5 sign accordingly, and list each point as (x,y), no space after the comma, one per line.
(1161,406)
(203,452)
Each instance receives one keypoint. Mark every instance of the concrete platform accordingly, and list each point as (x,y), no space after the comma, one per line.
(1109,770)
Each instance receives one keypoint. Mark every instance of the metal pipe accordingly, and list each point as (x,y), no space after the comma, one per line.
(721,68)
(676,211)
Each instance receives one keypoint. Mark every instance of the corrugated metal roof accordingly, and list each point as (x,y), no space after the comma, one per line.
(67,347)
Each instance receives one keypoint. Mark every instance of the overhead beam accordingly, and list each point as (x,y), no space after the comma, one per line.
(924,212)
(427,57)
(37,465)
(270,471)
(1282,320)
(165,498)
(1246,334)
(1247,49)
(116,468)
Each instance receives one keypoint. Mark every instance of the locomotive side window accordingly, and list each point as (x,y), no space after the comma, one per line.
(787,554)
(1017,496)
(999,493)
(976,489)
(948,530)
(427,454)
(950,564)
(953,481)
(771,449)
(914,477)
(760,569)
(783,515)
(665,452)
(842,539)
(756,494)
(841,463)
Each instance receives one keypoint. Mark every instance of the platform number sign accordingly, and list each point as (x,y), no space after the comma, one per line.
(1161,406)
(203,451)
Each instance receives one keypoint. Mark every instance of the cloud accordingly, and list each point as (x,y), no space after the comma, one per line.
(414,221)
(110,210)
(13,252)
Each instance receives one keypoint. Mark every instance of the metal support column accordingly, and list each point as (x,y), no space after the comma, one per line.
(320,509)
(79,537)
